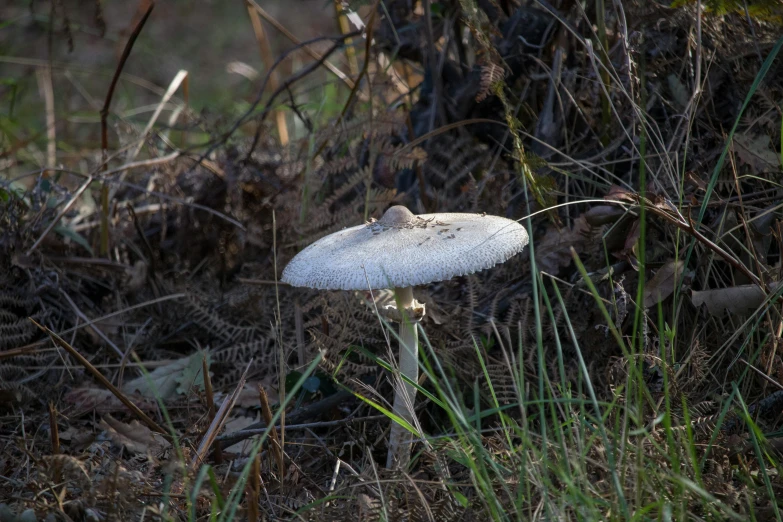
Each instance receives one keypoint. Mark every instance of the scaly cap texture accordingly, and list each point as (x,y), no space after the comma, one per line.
(402,249)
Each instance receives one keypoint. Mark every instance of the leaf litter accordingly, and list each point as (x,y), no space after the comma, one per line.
(191,265)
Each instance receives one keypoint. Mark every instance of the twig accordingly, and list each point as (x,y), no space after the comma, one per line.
(219,421)
(94,328)
(253,490)
(313,54)
(60,214)
(266,411)
(54,429)
(47,91)
(144,190)
(180,77)
(354,92)
(290,81)
(251,111)
(253,11)
(23,350)
(306,412)
(688,226)
(342,23)
(240,435)
(217,452)
(113,85)
(103,380)
(104,126)
(761,374)
(437,79)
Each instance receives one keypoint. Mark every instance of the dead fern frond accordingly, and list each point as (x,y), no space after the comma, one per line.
(66,467)
(399,158)
(206,319)
(491,74)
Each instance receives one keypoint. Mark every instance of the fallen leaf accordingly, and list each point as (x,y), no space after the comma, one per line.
(74,236)
(237,424)
(166,381)
(103,401)
(193,375)
(621,194)
(678,90)
(692,178)
(248,397)
(633,237)
(736,299)
(603,214)
(161,382)
(663,282)
(553,250)
(134,437)
(756,152)
(78,438)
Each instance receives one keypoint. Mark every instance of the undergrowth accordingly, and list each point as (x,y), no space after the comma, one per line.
(626,366)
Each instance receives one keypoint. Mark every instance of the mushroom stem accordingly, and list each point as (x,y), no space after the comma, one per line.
(404,393)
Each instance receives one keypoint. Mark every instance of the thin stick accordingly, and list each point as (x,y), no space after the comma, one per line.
(300,337)
(93,327)
(281,352)
(342,24)
(219,421)
(253,490)
(53,429)
(45,85)
(365,68)
(113,85)
(104,126)
(260,116)
(178,80)
(314,55)
(103,380)
(266,57)
(60,214)
(240,435)
(305,412)
(432,65)
(217,450)
(266,411)
(30,347)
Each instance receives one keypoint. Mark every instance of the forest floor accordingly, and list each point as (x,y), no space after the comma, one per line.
(161,164)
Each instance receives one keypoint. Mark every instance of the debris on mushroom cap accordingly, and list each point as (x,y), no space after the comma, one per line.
(402,249)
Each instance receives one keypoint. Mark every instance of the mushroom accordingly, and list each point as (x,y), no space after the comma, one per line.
(402,250)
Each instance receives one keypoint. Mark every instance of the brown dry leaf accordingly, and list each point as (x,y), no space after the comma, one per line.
(633,237)
(435,312)
(102,401)
(78,438)
(756,152)
(165,379)
(553,249)
(134,437)
(603,214)
(736,300)
(237,424)
(679,91)
(621,194)
(248,397)
(663,282)
(66,467)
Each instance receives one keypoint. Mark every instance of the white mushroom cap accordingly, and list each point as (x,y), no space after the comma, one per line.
(402,249)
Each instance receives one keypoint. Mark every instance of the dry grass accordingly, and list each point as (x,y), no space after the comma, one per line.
(578,381)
